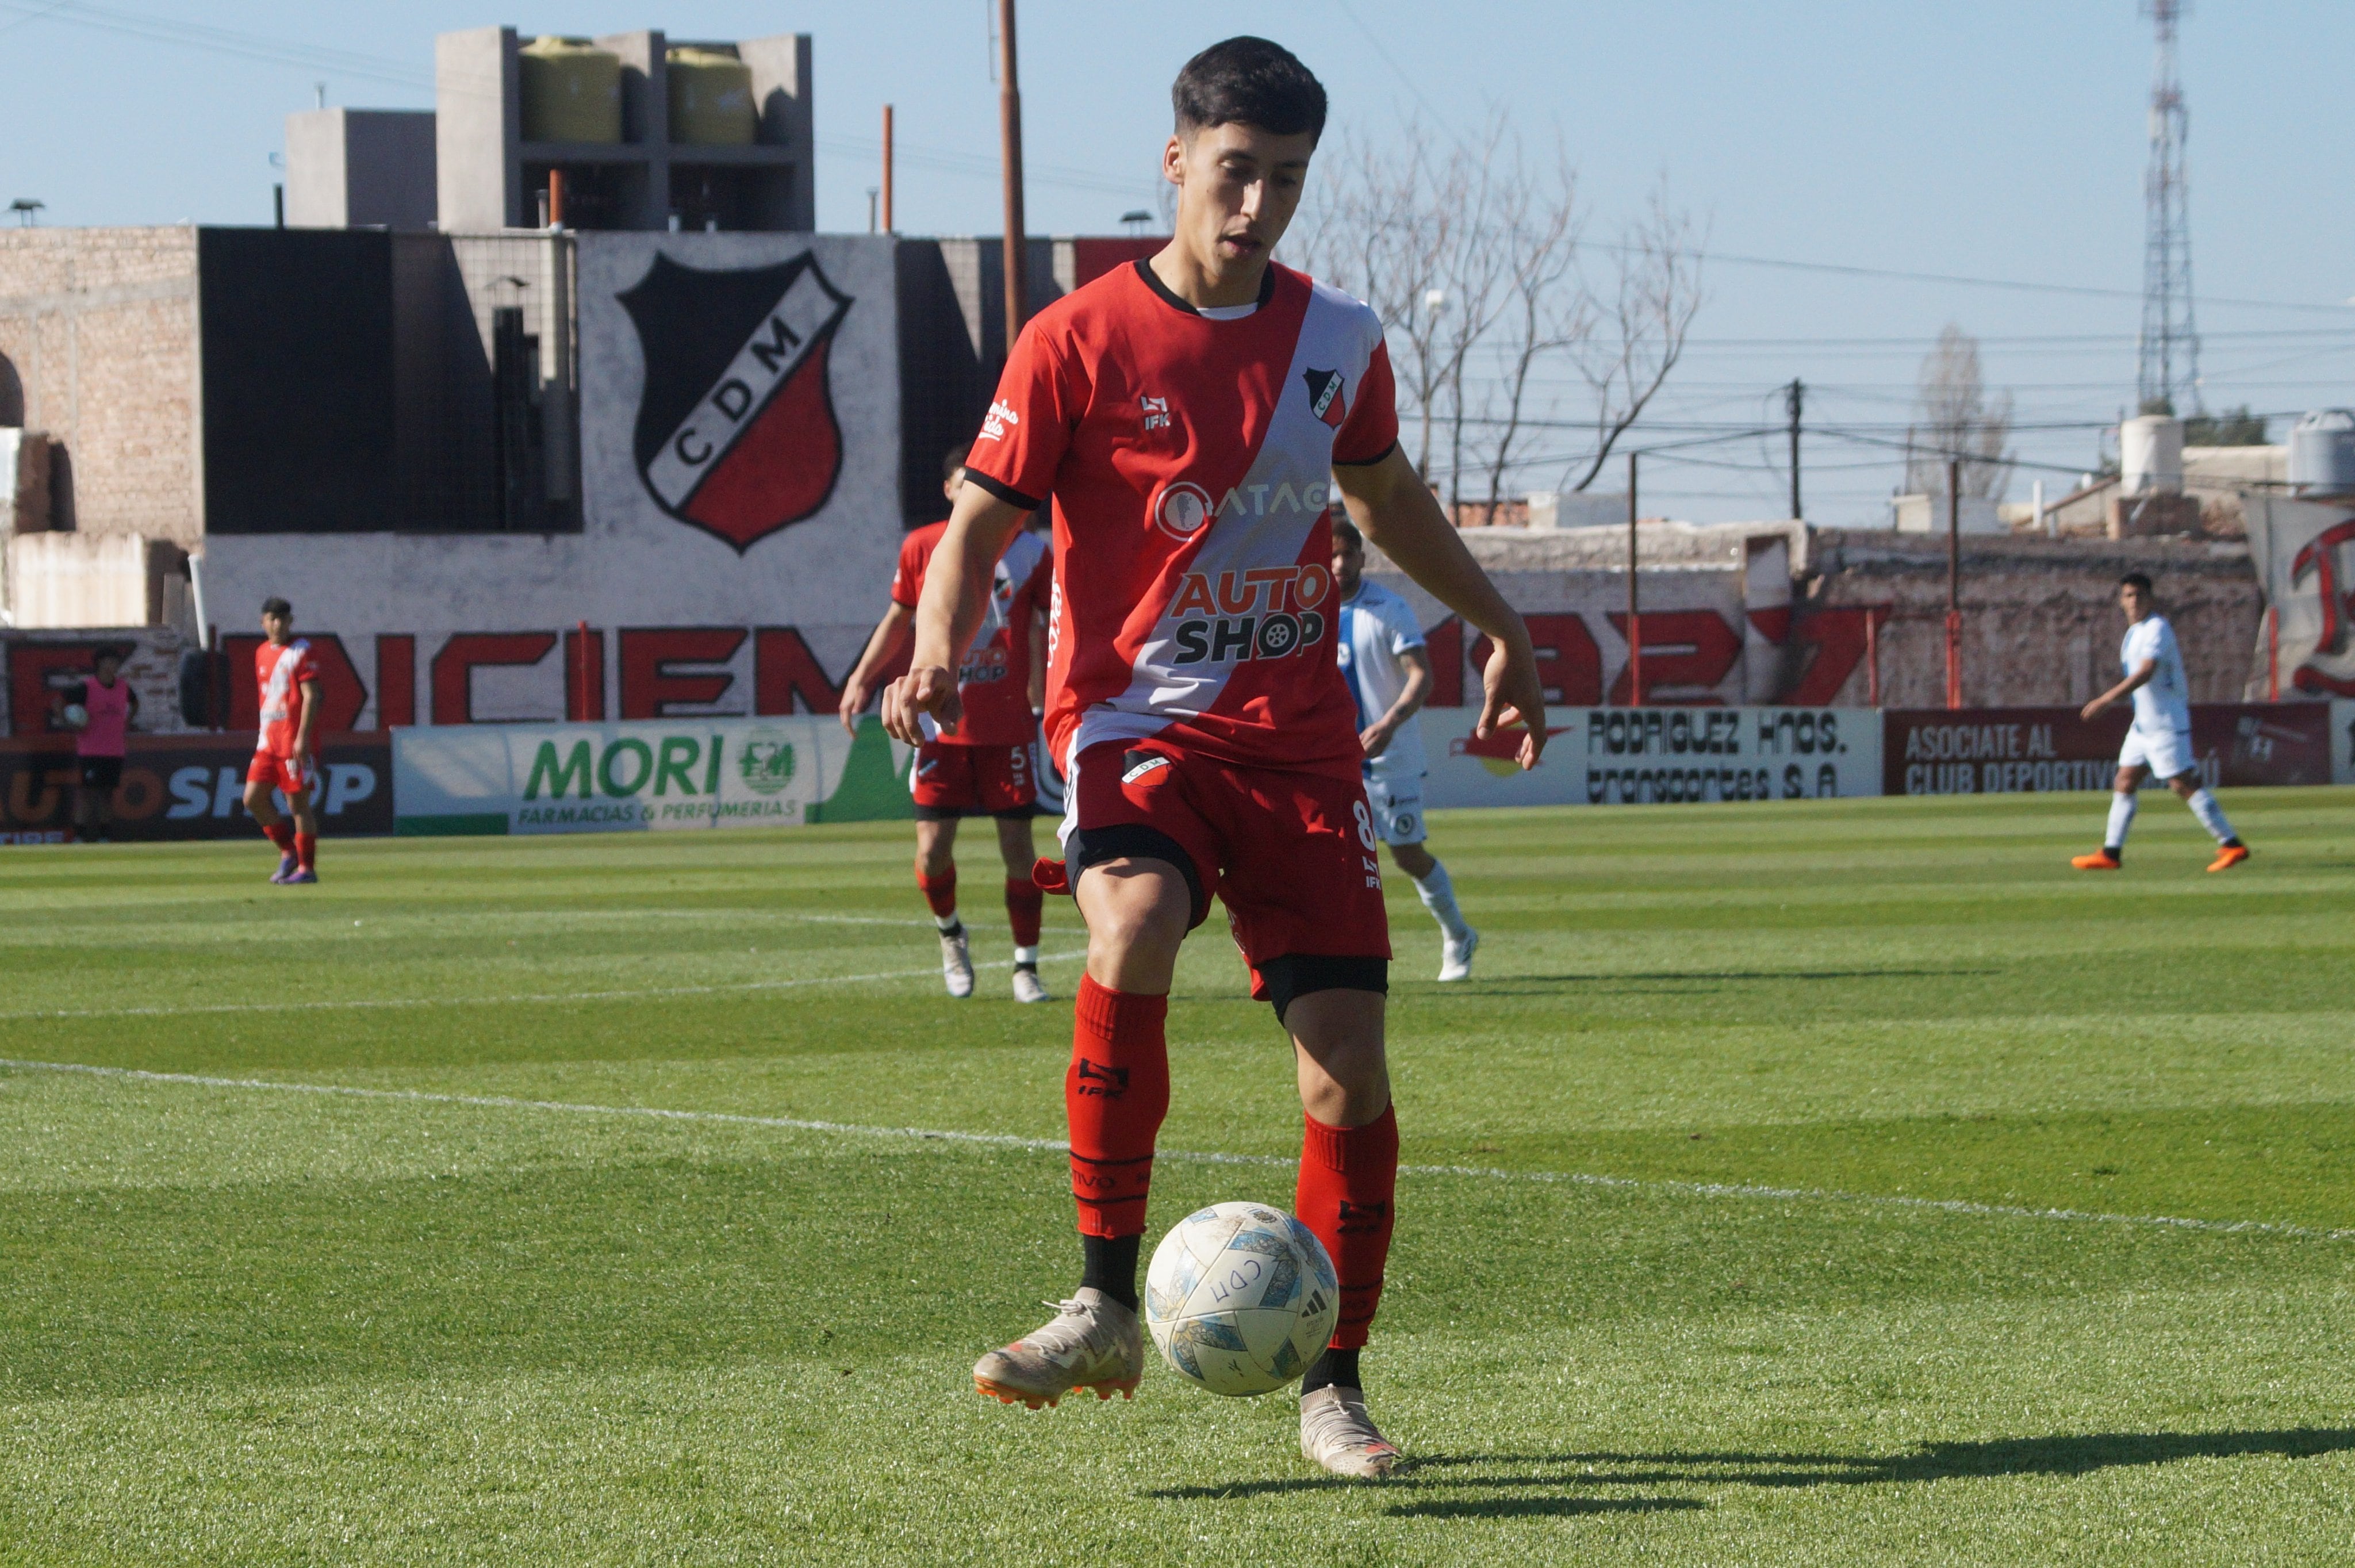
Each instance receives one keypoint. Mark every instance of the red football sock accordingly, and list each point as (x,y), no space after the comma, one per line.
(282,835)
(939,892)
(1348,1177)
(1023,903)
(1115,1094)
(307,850)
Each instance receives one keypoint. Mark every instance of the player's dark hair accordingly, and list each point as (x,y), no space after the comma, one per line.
(275,605)
(103,652)
(1248,81)
(2138,580)
(955,461)
(1345,533)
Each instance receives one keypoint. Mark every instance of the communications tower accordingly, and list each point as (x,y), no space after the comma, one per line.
(2166,371)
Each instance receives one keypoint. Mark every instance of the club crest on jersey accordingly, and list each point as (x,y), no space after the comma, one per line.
(1325,399)
(736,432)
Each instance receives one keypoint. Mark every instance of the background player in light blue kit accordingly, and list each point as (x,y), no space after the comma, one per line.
(1382,657)
(2160,741)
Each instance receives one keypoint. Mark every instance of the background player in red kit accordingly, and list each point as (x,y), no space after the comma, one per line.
(982,764)
(289,679)
(1195,417)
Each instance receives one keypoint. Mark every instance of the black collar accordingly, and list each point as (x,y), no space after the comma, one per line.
(1153,281)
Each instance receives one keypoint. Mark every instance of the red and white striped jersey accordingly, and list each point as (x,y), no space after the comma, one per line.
(279,673)
(1190,460)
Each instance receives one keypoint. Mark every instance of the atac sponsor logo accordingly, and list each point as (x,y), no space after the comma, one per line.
(1264,612)
(736,432)
(1182,508)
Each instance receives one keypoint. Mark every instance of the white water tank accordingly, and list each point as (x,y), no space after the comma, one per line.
(1577,510)
(2150,456)
(2322,454)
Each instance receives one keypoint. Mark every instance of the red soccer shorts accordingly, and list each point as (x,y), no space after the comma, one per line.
(278,772)
(951,780)
(1291,855)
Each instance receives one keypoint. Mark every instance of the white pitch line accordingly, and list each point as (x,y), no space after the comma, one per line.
(1200,1157)
(363,1004)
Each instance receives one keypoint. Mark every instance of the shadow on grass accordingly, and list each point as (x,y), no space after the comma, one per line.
(2074,1453)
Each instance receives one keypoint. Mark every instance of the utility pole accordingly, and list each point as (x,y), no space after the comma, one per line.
(1796,399)
(887,226)
(1634,627)
(1953,582)
(1009,134)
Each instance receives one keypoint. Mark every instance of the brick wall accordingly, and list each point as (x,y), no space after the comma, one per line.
(100,325)
(2041,618)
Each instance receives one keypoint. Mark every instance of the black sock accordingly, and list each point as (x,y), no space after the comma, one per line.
(1335,1366)
(1109,1265)
(2234,842)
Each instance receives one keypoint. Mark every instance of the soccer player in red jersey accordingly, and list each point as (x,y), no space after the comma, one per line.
(982,763)
(1195,417)
(289,679)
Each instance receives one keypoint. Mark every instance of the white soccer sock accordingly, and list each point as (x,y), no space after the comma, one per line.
(1026,956)
(2122,813)
(1438,894)
(2211,816)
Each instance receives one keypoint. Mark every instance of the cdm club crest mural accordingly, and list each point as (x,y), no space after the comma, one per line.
(736,430)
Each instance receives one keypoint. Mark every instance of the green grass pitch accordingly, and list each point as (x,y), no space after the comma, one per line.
(1786,1192)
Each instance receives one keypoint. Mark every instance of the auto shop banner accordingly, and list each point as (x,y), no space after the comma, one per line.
(1657,756)
(2008,751)
(635,778)
(187,787)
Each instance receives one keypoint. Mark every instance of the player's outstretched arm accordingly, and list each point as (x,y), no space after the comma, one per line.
(956,585)
(891,637)
(1392,508)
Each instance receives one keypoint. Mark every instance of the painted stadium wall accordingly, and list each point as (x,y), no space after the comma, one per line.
(742,503)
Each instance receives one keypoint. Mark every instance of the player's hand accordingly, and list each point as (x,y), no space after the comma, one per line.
(304,762)
(2092,708)
(1377,738)
(855,694)
(928,688)
(1512,694)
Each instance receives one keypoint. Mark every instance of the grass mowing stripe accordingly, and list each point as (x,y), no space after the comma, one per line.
(1208,1157)
(361,1003)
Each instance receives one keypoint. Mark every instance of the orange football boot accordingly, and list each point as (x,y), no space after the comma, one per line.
(2228,857)
(2099,861)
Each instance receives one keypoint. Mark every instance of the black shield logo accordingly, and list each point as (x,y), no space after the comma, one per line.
(736,432)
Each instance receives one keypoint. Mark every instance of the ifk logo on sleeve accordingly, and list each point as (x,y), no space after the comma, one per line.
(736,430)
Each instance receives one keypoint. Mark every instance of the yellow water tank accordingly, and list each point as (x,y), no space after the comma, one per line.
(710,99)
(571,90)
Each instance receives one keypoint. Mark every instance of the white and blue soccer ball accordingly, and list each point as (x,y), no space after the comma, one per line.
(1241,1298)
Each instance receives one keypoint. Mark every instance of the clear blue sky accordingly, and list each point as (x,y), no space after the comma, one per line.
(2003,138)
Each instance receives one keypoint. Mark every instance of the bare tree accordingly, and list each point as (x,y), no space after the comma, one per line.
(1471,258)
(1382,230)
(1957,420)
(1472,266)
(1536,221)
(1641,333)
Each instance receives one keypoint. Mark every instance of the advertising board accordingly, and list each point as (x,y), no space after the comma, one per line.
(636,778)
(187,787)
(2010,750)
(1646,756)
